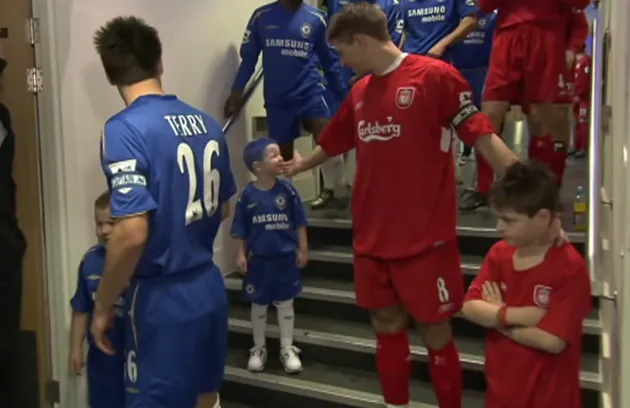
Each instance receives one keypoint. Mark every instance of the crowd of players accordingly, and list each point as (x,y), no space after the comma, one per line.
(157,304)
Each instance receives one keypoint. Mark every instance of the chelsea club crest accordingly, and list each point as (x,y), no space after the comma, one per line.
(306,30)
(281,202)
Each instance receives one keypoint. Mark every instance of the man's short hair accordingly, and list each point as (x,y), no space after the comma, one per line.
(130,50)
(359,18)
(102,201)
(526,188)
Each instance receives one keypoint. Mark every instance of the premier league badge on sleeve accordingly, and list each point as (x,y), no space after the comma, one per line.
(542,296)
(404,96)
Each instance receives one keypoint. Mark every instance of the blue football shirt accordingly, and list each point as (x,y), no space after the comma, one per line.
(474,51)
(268,220)
(163,157)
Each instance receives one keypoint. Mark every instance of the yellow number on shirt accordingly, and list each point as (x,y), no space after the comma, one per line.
(196,208)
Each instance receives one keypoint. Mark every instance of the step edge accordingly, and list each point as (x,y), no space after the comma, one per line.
(345,223)
(325,255)
(309,389)
(591,326)
(588,379)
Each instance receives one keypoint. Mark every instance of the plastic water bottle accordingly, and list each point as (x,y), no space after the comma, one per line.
(579,210)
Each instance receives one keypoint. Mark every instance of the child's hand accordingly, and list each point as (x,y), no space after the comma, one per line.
(76,361)
(491,293)
(241,263)
(302,258)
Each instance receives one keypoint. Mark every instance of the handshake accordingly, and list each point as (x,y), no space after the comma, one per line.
(294,166)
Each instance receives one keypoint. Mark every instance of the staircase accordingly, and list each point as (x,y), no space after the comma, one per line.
(337,342)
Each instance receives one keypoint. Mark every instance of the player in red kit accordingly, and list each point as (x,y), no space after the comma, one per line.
(400,118)
(582,102)
(528,67)
(533,298)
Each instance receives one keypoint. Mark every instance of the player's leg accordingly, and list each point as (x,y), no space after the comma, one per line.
(502,86)
(431,288)
(375,292)
(545,86)
(540,144)
(257,290)
(288,284)
(211,361)
(316,116)
(284,127)
(582,130)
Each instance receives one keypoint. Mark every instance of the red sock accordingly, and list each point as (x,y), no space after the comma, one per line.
(393,362)
(446,373)
(559,160)
(540,149)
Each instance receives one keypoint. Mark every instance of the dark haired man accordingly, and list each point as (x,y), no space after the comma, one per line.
(168,170)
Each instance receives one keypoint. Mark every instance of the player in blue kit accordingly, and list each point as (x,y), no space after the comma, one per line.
(270,228)
(392,10)
(289,33)
(432,27)
(472,57)
(168,170)
(105,381)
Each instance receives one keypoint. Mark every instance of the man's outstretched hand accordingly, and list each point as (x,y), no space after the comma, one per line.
(293,166)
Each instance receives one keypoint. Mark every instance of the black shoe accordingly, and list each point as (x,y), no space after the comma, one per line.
(325,199)
(471,200)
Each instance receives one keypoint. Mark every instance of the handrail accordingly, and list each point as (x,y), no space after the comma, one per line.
(247,93)
(594,157)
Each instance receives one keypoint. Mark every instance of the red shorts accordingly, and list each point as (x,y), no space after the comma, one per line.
(429,285)
(527,65)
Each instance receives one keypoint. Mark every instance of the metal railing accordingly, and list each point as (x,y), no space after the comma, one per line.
(247,93)
(593,240)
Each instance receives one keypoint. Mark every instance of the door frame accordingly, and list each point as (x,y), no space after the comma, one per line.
(57,221)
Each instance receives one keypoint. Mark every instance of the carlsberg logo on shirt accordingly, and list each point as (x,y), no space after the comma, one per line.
(377,132)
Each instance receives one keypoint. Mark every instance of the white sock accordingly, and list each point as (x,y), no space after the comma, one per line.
(397,406)
(332,172)
(286,321)
(259,324)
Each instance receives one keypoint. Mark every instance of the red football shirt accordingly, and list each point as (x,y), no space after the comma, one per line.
(520,376)
(403,198)
(547,13)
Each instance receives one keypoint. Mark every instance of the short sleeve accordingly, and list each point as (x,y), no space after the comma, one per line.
(467,8)
(126,167)
(297,206)
(239,228)
(81,302)
(456,106)
(338,137)
(569,306)
(490,272)
(227,188)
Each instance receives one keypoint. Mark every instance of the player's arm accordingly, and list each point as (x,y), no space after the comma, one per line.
(299,218)
(251,46)
(488,6)
(492,315)
(125,164)
(568,308)
(395,22)
(579,4)
(240,230)
(337,138)
(469,11)
(227,186)
(329,60)
(578,30)
(456,108)
(82,305)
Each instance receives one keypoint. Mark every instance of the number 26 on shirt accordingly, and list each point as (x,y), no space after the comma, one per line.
(209,203)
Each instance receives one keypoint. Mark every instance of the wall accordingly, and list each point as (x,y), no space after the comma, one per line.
(200,39)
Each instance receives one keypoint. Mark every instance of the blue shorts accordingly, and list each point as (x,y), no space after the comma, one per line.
(476,79)
(284,122)
(105,379)
(272,279)
(176,342)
